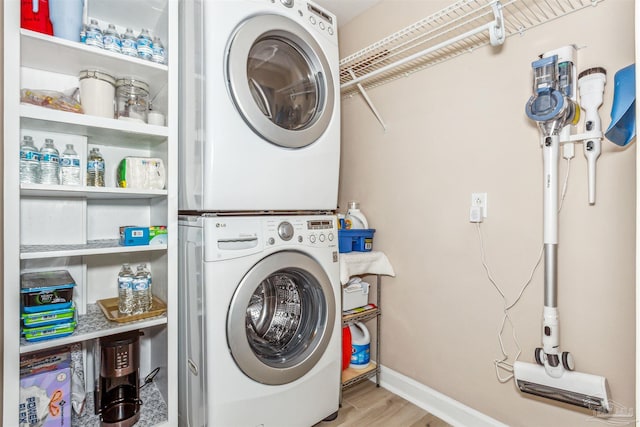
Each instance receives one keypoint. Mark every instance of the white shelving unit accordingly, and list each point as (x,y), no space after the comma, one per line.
(456,29)
(51,227)
(459,28)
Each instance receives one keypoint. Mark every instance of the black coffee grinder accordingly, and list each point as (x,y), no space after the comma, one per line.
(117,398)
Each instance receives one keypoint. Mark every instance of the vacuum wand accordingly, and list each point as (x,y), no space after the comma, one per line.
(553,107)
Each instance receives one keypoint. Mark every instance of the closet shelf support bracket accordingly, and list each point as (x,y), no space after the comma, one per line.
(368,100)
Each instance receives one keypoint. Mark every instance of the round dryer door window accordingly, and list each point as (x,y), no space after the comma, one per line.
(281,318)
(280,81)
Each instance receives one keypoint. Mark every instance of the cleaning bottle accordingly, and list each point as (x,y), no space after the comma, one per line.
(346,347)
(360,346)
(355,219)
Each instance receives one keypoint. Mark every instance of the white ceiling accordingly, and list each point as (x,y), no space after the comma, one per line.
(346,10)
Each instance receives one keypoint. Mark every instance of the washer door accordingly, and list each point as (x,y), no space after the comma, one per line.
(281,318)
(280,80)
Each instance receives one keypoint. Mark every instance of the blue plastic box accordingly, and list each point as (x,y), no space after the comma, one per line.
(46,291)
(360,240)
(134,236)
(48,318)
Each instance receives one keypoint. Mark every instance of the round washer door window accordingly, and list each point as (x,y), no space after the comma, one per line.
(280,81)
(281,318)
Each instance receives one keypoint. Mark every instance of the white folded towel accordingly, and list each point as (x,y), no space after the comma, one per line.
(361,263)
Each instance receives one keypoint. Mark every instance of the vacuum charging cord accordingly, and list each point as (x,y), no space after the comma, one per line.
(503,364)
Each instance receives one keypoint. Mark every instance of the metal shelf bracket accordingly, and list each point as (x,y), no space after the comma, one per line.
(368,101)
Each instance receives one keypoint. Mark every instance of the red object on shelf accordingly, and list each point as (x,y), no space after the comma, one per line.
(34,16)
(346,347)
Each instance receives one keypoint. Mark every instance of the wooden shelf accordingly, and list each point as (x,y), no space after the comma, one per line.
(152,412)
(351,376)
(82,192)
(91,325)
(47,53)
(92,247)
(360,317)
(125,132)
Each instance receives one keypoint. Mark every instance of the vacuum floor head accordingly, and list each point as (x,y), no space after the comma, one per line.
(575,388)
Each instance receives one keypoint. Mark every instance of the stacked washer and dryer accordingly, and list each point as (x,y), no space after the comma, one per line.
(260,295)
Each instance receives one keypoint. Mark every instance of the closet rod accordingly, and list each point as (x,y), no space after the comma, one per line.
(497,36)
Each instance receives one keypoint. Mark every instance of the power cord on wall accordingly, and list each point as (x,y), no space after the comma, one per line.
(503,364)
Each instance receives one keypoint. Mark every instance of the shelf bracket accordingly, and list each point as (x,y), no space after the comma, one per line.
(368,100)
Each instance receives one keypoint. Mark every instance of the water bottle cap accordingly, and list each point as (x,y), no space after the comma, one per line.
(354,205)
(70,146)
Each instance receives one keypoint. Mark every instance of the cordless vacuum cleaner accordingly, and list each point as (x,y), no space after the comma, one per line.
(553,107)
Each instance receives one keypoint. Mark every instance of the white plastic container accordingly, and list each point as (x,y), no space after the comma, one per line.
(355,219)
(97,93)
(355,294)
(360,346)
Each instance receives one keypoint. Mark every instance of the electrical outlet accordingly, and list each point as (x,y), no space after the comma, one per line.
(480,200)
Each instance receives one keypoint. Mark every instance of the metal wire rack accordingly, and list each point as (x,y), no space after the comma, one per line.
(460,28)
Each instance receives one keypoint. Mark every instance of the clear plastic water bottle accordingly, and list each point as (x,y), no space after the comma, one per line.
(95,169)
(129,46)
(150,283)
(29,162)
(49,163)
(111,39)
(125,290)
(140,291)
(70,167)
(94,35)
(159,55)
(83,34)
(144,44)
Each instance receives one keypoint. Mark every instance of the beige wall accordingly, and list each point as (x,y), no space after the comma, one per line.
(459,128)
(1,201)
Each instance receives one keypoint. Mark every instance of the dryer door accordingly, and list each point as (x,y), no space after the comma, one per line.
(280,80)
(281,318)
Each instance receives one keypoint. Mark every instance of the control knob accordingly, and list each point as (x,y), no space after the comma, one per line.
(285,231)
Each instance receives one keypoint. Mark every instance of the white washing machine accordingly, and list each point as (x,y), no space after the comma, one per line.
(260,334)
(260,106)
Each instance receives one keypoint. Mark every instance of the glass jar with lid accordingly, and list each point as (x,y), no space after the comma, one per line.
(132,98)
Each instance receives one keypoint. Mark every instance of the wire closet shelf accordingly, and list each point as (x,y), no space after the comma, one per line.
(454,30)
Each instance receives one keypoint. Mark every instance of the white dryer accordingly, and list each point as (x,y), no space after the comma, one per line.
(260,106)
(260,332)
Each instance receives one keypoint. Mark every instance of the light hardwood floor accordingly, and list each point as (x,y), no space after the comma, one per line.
(365,405)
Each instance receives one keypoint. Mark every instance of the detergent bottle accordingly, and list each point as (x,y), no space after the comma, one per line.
(355,219)
(346,347)
(34,16)
(360,346)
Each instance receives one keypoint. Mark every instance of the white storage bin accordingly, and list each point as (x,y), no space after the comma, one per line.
(355,294)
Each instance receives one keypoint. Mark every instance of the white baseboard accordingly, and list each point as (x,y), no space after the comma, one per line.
(434,402)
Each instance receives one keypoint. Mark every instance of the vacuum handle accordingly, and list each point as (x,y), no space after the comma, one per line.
(551,156)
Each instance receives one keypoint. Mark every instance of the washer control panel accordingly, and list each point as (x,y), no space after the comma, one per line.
(308,231)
